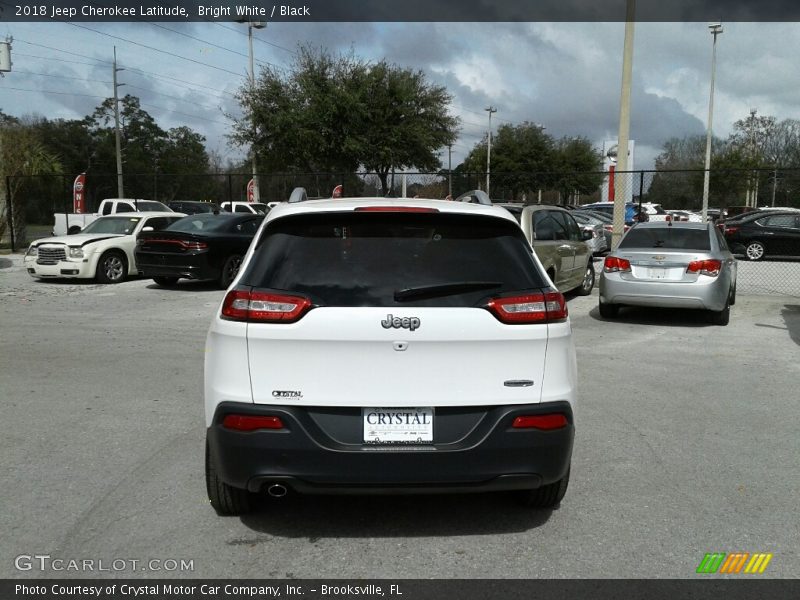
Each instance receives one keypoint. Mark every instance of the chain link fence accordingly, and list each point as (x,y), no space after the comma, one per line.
(33,200)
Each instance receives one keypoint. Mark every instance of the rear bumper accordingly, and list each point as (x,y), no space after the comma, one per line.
(188,266)
(319,451)
(709,294)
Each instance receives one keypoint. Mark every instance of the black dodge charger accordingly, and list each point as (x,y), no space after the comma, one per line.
(201,246)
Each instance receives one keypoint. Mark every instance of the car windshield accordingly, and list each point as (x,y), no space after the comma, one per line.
(669,238)
(201,222)
(381,259)
(113,225)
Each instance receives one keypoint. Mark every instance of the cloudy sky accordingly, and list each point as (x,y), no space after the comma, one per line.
(565,76)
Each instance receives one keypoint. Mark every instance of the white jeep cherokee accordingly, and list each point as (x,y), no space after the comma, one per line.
(378,345)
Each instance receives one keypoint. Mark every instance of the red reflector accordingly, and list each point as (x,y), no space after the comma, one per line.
(613,264)
(729,230)
(405,209)
(241,305)
(705,267)
(546,422)
(530,308)
(251,422)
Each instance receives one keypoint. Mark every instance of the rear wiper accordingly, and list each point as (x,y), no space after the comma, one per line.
(444,289)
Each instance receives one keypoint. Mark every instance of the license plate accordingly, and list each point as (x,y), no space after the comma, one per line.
(398,425)
(657,273)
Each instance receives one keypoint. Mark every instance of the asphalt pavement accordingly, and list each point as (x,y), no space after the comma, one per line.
(686,444)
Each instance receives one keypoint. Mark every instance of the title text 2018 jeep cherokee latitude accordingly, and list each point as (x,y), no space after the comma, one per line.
(389,346)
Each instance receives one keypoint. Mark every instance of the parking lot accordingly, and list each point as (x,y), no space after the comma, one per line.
(686,444)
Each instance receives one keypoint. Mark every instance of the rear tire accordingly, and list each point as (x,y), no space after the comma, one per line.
(723,316)
(229,270)
(587,285)
(225,499)
(166,281)
(754,250)
(112,267)
(732,299)
(608,311)
(547,496)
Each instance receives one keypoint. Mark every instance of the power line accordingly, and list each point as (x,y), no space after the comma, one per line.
(273,44)
(108,62)
(51,92)
(59,76)
(77,62)
(154,49)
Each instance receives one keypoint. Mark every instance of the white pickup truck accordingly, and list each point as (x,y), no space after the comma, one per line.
(70,223)
(257,208)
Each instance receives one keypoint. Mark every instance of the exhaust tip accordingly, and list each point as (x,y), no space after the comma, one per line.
(276,490)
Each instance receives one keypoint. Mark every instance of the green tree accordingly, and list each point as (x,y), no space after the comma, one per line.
(22,156)
(577,165)
(336,113)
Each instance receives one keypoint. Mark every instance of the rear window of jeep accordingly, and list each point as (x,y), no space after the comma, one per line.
(393,259)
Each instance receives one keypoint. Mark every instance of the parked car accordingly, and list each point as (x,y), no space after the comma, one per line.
(559,243)
(654,212)
(685,215)
(103,250)
(601,237)
(201,246)
(680,265)
(71,223)
(254,208)
(338,297)
(771,234)
(193,207)
(631,210)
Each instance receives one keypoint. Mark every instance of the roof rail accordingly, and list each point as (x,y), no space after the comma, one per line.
(298,195)
(475,197)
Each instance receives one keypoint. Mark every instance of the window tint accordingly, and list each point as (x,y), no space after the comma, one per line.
(107,208)
(250,226)
(778,221)
(159,223)
(201,222)
(561,227)
(123,207)
(544,226)
(669,238)
(363,259)
(241,209)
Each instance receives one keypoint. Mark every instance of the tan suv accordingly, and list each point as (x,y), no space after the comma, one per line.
(559,243)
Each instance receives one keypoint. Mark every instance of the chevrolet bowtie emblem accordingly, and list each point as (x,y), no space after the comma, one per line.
(659,257)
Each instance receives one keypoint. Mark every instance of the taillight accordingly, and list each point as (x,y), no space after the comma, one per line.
(262,307)
(530,308)
(705,267)
(612,264)
(729,230)
(545,422)
(251,422)
(195,245)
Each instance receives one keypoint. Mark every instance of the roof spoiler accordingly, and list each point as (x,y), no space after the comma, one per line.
(475,197)
(298,195)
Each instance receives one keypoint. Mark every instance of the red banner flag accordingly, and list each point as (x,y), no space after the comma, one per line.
(251,190)
(337,191)
(79,194)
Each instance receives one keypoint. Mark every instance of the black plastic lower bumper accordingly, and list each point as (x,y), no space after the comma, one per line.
(475,449)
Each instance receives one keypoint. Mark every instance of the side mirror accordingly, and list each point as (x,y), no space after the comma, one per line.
(148,228)
(587,235)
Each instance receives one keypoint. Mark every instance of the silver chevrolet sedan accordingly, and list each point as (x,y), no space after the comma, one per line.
(671,265)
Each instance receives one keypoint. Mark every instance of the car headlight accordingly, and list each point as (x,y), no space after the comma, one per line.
(33,250)
(75,252)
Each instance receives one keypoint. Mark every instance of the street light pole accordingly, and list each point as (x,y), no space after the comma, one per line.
(715,29)
(490,109)
(250,26)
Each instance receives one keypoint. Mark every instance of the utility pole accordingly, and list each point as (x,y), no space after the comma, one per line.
(5,203)
(716,29)
(118,143)
(624,127)
(490,109)
(450,170)
(252,75)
